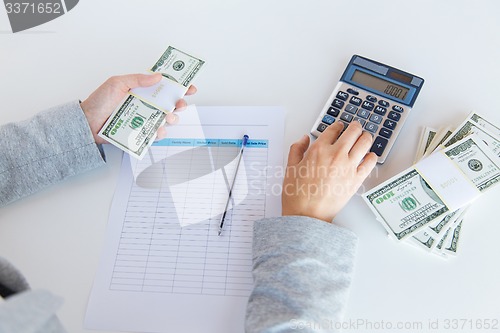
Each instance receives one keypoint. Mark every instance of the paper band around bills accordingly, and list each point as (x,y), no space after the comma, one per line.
(163,95)
(447,180)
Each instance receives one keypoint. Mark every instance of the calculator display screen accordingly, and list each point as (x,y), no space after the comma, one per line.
(379,84)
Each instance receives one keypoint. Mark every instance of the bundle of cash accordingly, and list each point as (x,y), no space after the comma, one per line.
(132,126)
(425,205)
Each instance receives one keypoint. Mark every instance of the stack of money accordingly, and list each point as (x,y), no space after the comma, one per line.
(132,126)
(425,205)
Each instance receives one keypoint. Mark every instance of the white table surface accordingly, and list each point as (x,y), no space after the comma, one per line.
(289,53)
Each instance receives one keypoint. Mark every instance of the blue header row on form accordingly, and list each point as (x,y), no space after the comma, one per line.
(211,143)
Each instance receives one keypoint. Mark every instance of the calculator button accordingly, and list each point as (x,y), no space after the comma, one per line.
(380,110)
(379,145)
(359,120)
(327,119)
(386,133)
(371,127)
(356,101)
(390,124)
(322,127)
(338,103)
(368,105)
(351,108)
(394,116)
(333,111)
(346,117)
(345,125)
(342,95)
(375,118)
(397,108)
(383,103)
(363,113)
(371,98)
(352,91)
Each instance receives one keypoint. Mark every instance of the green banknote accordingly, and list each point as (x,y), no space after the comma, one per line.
(132,126)
(477,124)
(406,203)
(178,66)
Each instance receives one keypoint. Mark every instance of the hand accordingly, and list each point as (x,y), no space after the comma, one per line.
(320,179)
(102,102)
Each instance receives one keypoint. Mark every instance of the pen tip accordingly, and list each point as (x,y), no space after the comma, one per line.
(219,232)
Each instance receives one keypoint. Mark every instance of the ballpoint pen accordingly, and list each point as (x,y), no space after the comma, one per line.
(243,145)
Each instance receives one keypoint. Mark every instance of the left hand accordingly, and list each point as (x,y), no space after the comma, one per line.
(105,99)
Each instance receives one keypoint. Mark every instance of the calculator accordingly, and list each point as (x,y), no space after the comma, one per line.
(378,96)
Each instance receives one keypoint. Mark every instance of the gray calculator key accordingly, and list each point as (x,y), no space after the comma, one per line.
(380,110)
(333,111)
(363,113)
(368,105)
(394,116)
(346,117)
(342,95)
(375,118)
(322,127)
(337,103)
(379,145)
(360,120)
(398,108)
(351,108)
(386,133)
(390,124)
(371,127)
(356,100)
(383,103)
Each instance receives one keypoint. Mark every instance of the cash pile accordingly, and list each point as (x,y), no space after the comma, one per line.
(425,205)
(132,126)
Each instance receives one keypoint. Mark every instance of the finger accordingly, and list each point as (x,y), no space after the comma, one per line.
(180,105)
(172,118)
(140,80)
(361,147)
(161,133)
(191,90)
(367,165)
(331,133)
(297,150)
(349,137)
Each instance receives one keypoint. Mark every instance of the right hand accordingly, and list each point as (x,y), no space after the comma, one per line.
(320,179)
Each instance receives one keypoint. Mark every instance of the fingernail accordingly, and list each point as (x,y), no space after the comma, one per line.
(172,118)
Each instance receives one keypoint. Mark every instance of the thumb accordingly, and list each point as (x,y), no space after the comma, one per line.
(297,150)
(141,80)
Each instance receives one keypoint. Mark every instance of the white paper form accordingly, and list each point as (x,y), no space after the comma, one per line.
(164,268)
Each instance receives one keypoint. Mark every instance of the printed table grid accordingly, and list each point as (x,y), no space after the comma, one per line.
(156,254)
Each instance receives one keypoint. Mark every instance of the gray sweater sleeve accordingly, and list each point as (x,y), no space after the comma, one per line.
(302,270)
(51,146)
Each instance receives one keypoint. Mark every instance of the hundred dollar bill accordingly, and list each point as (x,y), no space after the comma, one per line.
(407,202)
(426,138)
(441,136)
(477,124)
(450,245)
(475,161)
(178,66)
(423,240)
(132,126)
